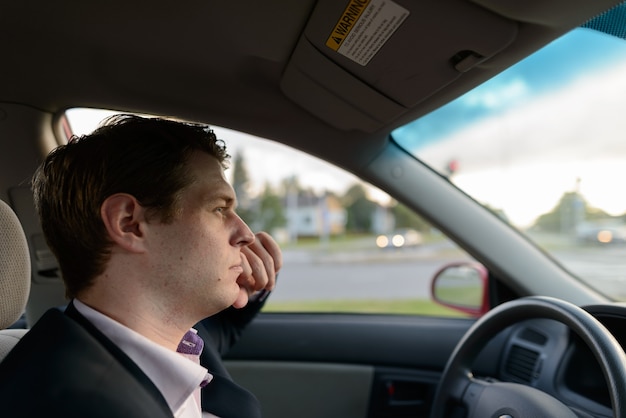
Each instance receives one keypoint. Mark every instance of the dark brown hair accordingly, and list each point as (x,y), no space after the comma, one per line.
(144,157)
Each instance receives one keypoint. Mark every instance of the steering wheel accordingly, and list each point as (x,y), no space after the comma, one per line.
(482,398)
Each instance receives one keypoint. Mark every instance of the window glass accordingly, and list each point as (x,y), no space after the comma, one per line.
(542,144)
(347,246)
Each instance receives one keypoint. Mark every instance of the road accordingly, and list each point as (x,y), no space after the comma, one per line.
(372,274)
(603,267)
(364,275)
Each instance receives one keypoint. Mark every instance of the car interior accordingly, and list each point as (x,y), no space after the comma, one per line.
(336,80)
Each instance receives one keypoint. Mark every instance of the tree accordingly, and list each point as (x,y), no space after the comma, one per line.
(241,185)
(271,209)
(359,209)
(406,218)
(571,209)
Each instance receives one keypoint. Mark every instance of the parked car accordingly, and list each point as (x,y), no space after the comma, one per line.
(526,98)
(601,233)
(402,238)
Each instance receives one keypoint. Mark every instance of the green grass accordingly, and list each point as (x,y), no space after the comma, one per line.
(401,306)
(334,243)
(466,295)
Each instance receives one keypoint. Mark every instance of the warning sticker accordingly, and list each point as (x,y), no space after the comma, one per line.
(364,28)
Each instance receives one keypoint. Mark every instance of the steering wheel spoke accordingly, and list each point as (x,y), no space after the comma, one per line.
(473,394)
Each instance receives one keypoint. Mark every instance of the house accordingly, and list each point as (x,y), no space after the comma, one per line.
(310,215)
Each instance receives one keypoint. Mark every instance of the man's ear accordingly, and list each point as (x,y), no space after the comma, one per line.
(124,220)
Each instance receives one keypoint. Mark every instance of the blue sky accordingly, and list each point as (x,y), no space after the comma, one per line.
(548,69)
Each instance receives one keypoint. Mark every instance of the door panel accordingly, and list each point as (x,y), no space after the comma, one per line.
(332,365)
(303,390)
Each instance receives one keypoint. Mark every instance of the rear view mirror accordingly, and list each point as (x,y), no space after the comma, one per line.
(463,287)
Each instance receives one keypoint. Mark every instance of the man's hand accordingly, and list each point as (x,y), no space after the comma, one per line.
(261,261)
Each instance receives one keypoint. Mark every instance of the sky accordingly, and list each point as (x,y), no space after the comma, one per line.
(566,58)
(526,137)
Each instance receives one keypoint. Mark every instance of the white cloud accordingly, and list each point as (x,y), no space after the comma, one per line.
(522,161)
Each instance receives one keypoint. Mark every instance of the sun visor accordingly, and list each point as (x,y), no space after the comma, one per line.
(361,64)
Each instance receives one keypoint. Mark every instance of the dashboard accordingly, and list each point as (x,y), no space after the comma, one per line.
(545,354)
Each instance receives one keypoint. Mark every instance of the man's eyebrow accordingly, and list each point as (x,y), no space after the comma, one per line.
(228,199)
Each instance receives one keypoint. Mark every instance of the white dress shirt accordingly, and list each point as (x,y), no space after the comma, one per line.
(178,378)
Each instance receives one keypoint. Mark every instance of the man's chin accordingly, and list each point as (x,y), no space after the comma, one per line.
(242,298)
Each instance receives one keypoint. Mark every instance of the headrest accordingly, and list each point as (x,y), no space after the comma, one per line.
(14,267)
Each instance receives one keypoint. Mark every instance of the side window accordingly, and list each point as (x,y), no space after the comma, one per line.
(347,246)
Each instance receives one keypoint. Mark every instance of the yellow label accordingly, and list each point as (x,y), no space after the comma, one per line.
(349,17)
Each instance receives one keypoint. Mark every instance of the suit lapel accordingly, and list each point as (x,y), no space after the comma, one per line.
(116,352)
(224,398)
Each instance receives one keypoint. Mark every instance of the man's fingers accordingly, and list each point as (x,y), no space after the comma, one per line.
(271,248)
(246,278)
(263,259)
(260,261)
(257,273)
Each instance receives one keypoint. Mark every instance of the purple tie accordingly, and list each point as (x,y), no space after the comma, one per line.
(191,344)
(191,347)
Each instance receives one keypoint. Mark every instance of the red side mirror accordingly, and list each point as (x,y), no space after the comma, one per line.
(462,286)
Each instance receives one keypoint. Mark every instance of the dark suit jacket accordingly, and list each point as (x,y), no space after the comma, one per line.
(223,397)
(65,367)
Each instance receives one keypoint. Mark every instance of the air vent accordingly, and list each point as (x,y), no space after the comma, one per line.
(522,363)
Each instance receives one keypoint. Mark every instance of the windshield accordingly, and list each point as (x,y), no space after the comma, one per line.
(543,146)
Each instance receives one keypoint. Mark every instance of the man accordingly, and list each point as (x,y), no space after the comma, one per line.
(143,224)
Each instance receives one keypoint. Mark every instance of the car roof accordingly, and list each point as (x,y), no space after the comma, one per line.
(266,68)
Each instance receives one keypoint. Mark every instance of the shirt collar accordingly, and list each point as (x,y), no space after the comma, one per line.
(176,376)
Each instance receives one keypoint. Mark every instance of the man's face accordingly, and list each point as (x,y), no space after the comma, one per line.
(197,258)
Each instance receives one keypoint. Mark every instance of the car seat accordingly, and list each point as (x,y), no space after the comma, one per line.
(15,277)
